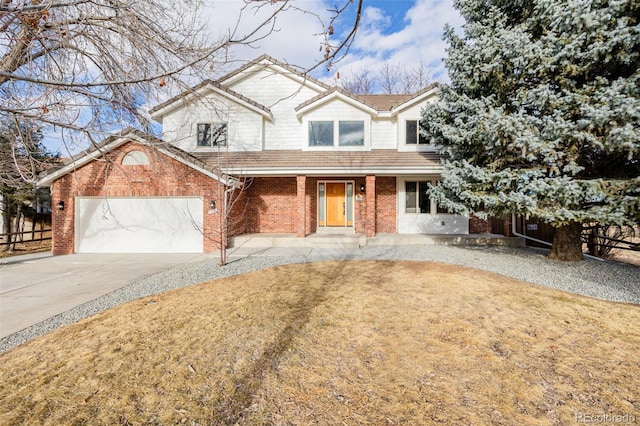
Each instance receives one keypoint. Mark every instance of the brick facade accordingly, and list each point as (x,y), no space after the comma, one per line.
(386,202)
(287,205)
(272,206)
(478,226)
(107,177)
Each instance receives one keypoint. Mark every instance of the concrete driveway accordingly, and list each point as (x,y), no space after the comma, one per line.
(34,288)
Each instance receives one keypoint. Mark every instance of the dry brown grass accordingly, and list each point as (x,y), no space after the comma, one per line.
(26,248)
(334,343)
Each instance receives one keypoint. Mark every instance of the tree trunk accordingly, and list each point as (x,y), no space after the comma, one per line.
(6,221)
(566,243)
(16,227)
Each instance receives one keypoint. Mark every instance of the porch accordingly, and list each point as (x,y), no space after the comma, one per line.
(346,239)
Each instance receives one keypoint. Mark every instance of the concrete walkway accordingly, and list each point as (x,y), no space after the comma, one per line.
(36,287)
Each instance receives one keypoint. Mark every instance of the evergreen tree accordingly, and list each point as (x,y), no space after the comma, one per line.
(23,157)
(542,114)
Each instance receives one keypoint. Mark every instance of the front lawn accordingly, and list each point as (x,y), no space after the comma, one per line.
(333,343)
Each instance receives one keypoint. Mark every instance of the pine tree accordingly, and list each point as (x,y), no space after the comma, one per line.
(23,156)
(542,115)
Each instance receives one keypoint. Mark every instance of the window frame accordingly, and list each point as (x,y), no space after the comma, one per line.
(419,139)
(416,202)
(310,126)
(212,125)
(336,135)
(351,122)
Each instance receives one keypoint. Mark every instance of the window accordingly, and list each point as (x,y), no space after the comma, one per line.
(212,134)
(135,158)
(417,198)
(321,133)
(414,136)
(351,133)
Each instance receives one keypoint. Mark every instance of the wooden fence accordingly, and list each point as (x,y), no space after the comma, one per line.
(8,239)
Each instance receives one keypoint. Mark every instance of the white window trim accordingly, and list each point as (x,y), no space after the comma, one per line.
(210,147)
(366,146)
(402,138)
(402,196)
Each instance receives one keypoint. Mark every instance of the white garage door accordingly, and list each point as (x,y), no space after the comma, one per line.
(139,225)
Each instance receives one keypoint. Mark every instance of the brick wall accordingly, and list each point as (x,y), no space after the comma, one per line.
(272,205)
(386,205)
(478,226)
(107,177)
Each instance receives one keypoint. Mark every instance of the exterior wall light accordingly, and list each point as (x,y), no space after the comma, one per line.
(362,188)
(212,204)
(61,205)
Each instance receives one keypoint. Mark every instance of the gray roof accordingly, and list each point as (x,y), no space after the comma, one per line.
(211,83)
(293,162)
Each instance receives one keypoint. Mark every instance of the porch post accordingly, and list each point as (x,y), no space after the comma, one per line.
(301,206)
(370,191)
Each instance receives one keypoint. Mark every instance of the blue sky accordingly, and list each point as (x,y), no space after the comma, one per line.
(398,32)
(404,32)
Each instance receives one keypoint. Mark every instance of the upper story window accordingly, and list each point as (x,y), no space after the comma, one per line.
(413,134)
(212,134)
(349,133)
(321,133)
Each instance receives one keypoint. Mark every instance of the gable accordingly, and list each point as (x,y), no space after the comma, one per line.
(419,99)
(336,108)
(265,68)
(208,90)
(336,100)
(113,151)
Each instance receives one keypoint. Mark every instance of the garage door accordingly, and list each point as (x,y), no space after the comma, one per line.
(139,225)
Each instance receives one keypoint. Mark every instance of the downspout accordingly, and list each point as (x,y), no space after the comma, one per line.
(517,234)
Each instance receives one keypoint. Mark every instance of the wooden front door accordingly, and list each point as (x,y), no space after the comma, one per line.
(336,204)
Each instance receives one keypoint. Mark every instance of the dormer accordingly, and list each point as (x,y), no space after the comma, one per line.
(211,116)
(336,120)
(408,114)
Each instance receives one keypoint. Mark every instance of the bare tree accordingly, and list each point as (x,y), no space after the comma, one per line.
(357,82)
(417,78)
(391,78)
(232,213)
(394,78)
(87,67)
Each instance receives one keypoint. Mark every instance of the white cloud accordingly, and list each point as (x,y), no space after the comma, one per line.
(295,38)
(418,40)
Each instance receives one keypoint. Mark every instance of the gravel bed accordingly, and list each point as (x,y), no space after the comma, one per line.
(594,278)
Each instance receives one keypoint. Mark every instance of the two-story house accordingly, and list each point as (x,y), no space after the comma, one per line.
(300,156)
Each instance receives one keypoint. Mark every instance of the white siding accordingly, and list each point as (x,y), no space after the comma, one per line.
(244,131)
(277,89)
(412,113)
(384,134)
(281,94)
(426,223)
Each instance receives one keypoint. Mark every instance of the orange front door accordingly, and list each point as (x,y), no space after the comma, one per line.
(336,204)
